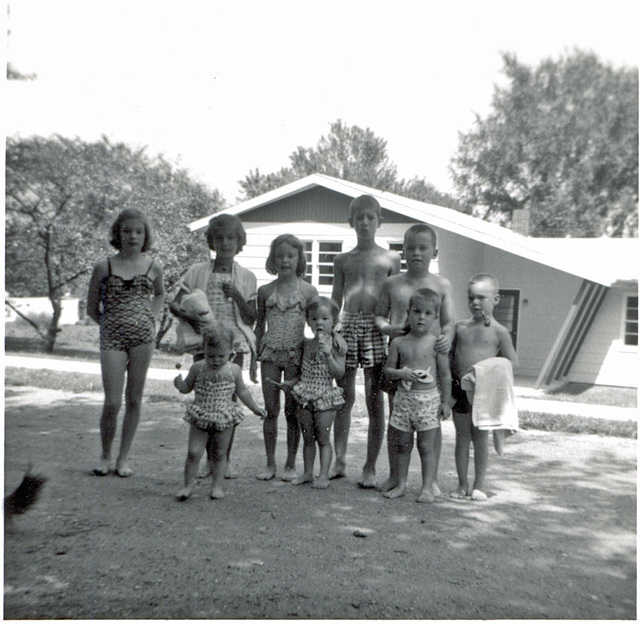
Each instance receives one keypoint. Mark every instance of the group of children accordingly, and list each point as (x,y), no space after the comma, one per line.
(399,327)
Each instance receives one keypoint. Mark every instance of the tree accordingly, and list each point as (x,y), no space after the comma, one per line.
(62,196)
(561,141)
(349,153)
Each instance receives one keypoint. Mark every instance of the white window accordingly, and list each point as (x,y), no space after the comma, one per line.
(320,256)
(630,328)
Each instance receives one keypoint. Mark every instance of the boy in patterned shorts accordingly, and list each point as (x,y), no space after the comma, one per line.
(358,278)
(417,404)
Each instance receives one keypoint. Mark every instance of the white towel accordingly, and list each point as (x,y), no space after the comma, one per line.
(489,387)
(186,337)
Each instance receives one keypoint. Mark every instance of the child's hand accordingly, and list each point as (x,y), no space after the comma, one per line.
(443,344)
(444,411)
(261,412)
(285,386)
(324,343)
(178,381)
(230,291)
(408,374)
(339,344)
(253,371)
(393,331)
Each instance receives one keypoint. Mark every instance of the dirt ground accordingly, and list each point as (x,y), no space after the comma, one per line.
(556,539)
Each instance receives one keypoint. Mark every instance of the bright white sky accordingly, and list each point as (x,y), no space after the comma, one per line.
(222,87)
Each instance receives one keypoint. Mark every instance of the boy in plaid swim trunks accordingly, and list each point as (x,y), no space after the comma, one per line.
(358,277)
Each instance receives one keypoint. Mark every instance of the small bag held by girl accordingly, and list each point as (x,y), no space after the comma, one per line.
(187,338)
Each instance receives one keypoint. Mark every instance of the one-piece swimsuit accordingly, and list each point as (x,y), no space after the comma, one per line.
(126,320)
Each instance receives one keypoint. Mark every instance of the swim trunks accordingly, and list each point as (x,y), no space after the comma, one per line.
(127,320)
(462,405)
(415,410)
(365,344)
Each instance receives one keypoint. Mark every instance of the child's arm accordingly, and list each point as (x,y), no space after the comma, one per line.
(447,319)
(159,294)
(391,369)
(186,385)
(338,280)
(247,308)
(245,396)
(506,346)
(444,373)
(93,295)
(261,316)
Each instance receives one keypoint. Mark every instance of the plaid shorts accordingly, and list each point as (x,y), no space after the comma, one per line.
(365,344)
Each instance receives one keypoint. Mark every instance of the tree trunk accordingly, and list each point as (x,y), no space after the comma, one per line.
(53,330)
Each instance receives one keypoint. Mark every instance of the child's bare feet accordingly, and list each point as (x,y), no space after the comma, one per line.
(477,495)
(435,488)
(460,492)
(184,493)
(216,493)
(303,478)
(426,496)
(395,492)
(231,473)
(289,474)
(267,474)
(368,479)
(387,485)
(205,471)
(102,467)
(123,469)
(321,483)
(338,471)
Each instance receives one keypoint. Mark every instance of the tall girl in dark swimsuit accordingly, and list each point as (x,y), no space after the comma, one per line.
(126,295)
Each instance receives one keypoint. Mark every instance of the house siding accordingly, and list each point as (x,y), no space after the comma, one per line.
(603,358)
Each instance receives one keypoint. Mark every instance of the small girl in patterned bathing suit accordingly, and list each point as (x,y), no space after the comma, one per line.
(214,414)
(281,312)
(315,392)
(126,295)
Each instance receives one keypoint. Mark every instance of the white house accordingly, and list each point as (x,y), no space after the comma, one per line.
(571,304)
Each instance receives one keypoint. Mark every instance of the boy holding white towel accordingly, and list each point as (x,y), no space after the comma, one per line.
(476,339)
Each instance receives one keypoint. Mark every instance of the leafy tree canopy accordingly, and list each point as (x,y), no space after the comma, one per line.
(561,141)
(349,153)
(62,196)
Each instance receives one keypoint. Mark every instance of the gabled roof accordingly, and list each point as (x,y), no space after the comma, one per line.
(584,259)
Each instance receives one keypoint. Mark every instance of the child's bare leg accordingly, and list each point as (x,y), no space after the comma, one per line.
(197,444)
(343,424)
(322,430)
(392,448)
(404,446)
(271,395)
(137,367)
(114,365)
(309,448)
(428,460)
(219,442)
(463,441)
(481,461)
(375,407)
(230,473)
(438,448)
(293,428)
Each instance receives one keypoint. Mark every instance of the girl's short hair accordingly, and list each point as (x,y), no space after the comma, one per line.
(318,302)
(292,241)
(126,215)
(226,222)
(219,335)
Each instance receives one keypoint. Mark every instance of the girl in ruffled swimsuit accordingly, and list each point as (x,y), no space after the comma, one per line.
(317,396)
(214,414)
(280,336)
(126,295)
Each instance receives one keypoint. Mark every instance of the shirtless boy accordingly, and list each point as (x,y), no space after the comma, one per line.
(358,278)
(419,249)
(476,339)
(417,404)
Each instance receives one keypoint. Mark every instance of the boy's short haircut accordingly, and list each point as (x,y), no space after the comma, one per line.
(319,301)
(292,241)
(421,228)
(427,295)
(486,277)
(362,202)
(221,334)
(138,215)
(226,221)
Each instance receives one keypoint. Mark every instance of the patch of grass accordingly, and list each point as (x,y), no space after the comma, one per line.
(578,424)
(594,395)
